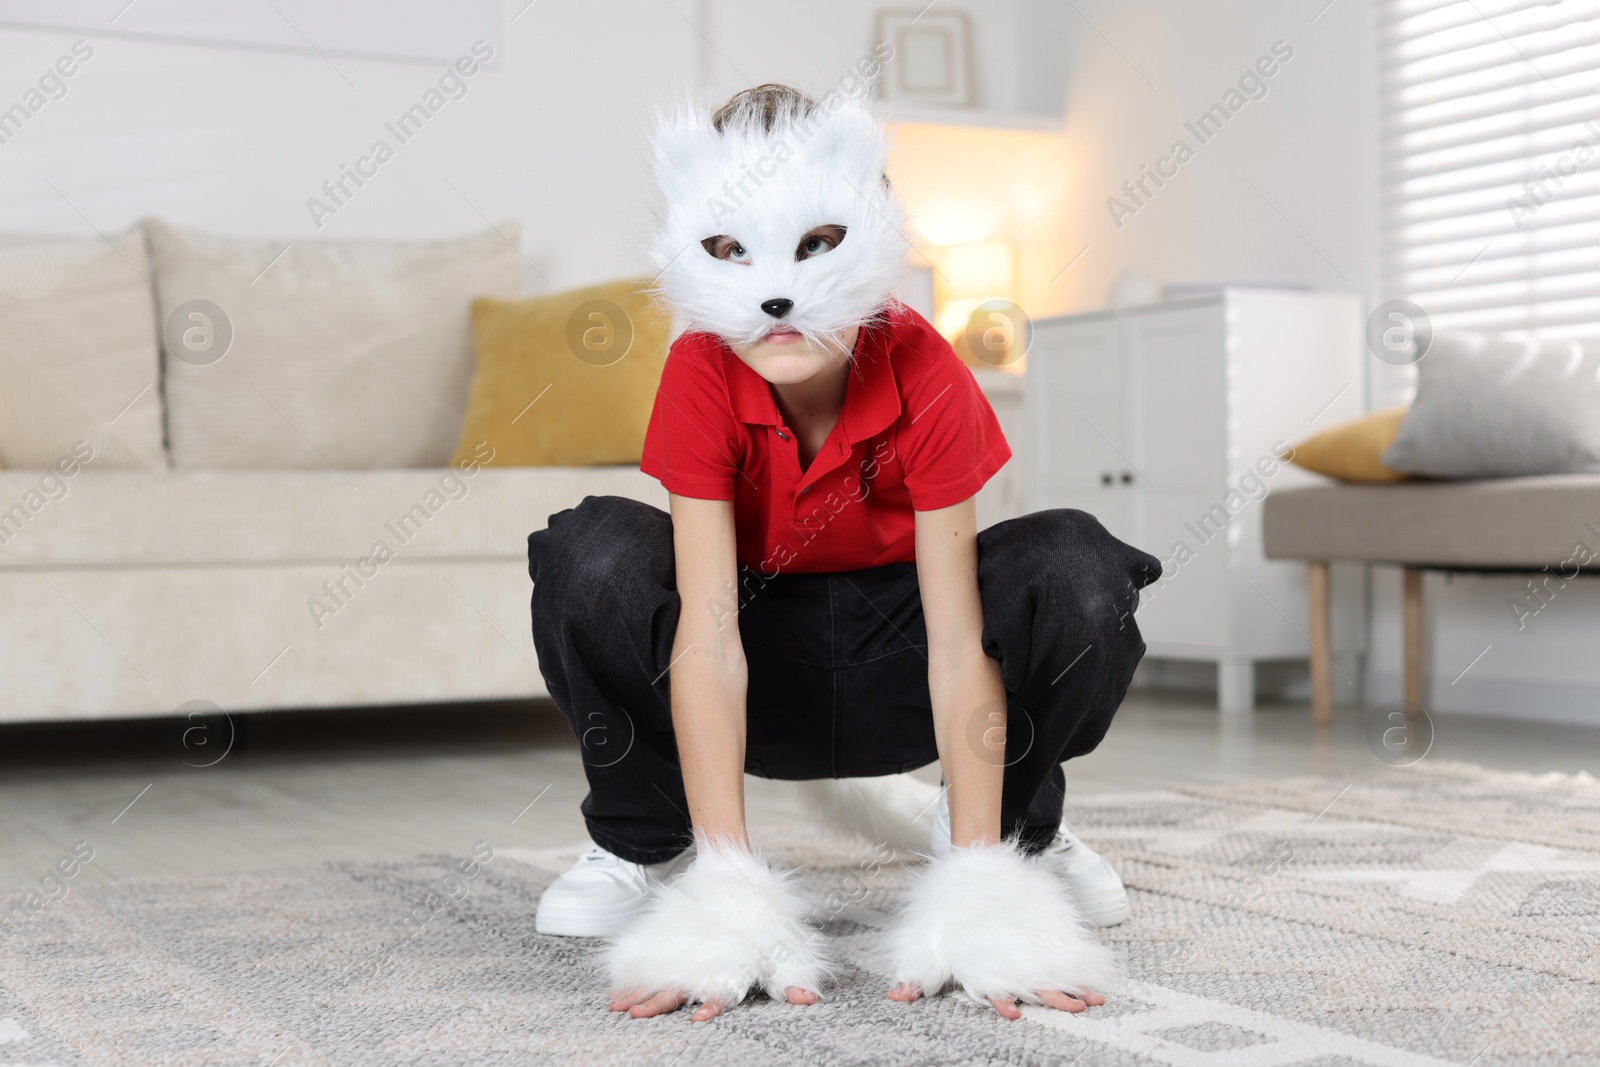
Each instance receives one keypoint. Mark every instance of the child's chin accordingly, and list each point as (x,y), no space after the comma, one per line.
(785,364)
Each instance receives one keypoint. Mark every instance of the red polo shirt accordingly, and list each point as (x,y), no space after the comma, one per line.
(915,434)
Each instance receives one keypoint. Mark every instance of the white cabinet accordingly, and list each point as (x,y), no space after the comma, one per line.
(1165,422)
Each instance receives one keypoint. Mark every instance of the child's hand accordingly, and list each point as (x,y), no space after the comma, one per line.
(1008,1008)
(642,1004)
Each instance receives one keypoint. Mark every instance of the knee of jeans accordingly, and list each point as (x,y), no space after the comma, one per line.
(603,549)
(1078,566)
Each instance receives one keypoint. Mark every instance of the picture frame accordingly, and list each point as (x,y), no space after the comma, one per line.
(931,65)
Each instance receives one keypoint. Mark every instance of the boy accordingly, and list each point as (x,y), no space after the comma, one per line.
(819,604)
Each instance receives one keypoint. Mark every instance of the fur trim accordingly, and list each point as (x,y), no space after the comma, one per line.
(993,921)
(893,809)
(726,924)
(767,189)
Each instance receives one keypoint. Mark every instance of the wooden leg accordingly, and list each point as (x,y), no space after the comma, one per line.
(1411,600)
(1321,641)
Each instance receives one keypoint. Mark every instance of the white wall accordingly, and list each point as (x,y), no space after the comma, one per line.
(237,138)
(1309,146)
(1547,670)
(1019,47)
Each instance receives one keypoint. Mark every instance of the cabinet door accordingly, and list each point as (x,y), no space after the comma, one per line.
(1078,416)
(1080,425)
(1177,381)
(1188,611)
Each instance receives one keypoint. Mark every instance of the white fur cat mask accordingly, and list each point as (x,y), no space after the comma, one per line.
(767,189)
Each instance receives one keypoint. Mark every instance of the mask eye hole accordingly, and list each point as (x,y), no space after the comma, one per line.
(819,240)
(724,247)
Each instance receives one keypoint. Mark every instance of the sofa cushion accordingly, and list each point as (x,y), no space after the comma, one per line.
(1493,407)
(261,517)
(320,354)
(1503,522)
(1350,451)
(568,379)
(78,356)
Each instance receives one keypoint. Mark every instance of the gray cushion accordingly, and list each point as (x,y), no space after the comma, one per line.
(1506,522)
(1497,408)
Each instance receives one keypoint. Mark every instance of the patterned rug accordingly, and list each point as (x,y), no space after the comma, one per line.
(1432,915)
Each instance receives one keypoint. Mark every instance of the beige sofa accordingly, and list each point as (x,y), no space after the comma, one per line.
(274,527)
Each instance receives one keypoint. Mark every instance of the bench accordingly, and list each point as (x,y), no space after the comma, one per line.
(1504,525)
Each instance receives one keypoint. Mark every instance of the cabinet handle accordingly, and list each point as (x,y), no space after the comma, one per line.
(1127,478)
(1105,478)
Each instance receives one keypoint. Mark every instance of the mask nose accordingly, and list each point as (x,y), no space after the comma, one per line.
(777,307)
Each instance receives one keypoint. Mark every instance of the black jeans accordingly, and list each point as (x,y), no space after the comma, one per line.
(838,668)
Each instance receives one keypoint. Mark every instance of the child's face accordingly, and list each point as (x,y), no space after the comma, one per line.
(786,356)
(781,241)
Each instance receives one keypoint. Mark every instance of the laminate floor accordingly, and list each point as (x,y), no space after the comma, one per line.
(382,784)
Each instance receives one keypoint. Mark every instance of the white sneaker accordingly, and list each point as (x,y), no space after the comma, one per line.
(1098,891)
(1101,897)
(600,893)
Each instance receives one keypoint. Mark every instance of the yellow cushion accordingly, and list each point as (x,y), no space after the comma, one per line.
(1350,450)
(564,380)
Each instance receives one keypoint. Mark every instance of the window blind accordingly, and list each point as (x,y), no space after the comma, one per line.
(1490,163)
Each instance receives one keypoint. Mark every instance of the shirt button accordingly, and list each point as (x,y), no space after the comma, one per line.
(782,436)
(806,490)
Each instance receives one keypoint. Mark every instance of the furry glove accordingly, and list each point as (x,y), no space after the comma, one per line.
(995,922)
(726,924)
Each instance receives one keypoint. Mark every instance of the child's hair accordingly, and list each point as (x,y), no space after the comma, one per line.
(762,105)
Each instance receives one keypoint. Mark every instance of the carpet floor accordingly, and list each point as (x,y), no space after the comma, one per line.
(1435,915)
